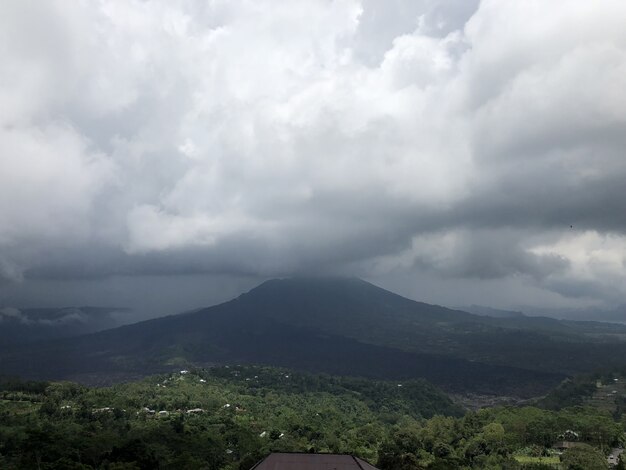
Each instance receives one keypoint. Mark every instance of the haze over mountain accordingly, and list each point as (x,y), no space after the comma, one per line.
(36,324)
(491,312)
(616,315)
(339,326)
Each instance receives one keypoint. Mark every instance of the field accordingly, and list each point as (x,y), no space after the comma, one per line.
(608,395)
(552,460)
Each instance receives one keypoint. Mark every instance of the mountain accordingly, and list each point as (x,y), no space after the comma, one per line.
(356,309)
(337,326)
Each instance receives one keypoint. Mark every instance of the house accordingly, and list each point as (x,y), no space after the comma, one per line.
(195,411)
(102,410)
(564,445)
(614,457)
(569,435)
(302,461)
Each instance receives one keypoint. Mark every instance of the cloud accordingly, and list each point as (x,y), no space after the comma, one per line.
(452,138)
(13,314)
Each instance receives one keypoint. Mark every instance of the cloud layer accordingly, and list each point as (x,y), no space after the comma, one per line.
(451,139)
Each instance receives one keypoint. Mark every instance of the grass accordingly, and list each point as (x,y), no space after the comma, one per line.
(552,460)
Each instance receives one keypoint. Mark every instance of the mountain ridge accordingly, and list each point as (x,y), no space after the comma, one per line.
(343,326)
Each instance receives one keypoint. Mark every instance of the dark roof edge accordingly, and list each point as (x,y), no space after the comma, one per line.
(357,462)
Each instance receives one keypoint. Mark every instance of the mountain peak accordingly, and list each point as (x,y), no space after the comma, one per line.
(311,281)
(339,325)
(301,291)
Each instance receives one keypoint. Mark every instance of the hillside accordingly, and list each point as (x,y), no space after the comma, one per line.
(230,417)
(338,326)
(364,312)
(215,418)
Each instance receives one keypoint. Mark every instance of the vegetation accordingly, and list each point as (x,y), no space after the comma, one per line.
(230,417)
(571,392)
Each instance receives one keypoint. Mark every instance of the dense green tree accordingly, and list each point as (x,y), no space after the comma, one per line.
(584,457)
(229,418)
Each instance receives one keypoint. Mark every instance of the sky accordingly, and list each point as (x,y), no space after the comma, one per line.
(167,155)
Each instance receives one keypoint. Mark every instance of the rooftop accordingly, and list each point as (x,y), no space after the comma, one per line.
(302,461)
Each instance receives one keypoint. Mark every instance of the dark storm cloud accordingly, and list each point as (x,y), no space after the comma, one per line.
(487,255)
(460,141)
(546,199)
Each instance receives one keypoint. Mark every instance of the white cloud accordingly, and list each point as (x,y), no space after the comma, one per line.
(53,173)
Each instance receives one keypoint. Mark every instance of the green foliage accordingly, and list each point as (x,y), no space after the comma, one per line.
(14,384)
(225,417)
(584,457)
(571,392)
(230,417)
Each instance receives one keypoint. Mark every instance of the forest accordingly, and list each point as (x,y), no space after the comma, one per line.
(232,416)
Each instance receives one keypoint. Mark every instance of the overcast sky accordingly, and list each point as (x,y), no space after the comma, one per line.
(166,155)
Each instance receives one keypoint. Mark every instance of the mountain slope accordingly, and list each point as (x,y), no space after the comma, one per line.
(364,312)
(339,326)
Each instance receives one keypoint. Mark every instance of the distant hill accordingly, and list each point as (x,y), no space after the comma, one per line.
(615,315)
(26,325)
(339,326)
(491,312)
